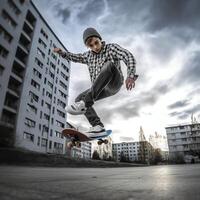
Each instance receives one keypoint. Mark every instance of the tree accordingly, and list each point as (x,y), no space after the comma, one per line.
(157,156)
(95,155)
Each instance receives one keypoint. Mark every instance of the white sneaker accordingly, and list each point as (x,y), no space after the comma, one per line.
(76,108)
(96,131)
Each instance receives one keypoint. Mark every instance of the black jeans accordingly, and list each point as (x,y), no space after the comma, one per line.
(108,83)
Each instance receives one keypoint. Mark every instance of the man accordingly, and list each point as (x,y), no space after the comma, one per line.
(103,62)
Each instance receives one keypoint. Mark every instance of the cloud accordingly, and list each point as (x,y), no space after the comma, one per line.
(63,13)
(179,104)
(127,139)
(174,14)
(186,113)
(90,11)
(127,107)
(190,72)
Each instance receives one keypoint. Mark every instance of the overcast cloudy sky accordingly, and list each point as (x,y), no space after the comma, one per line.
(164,37)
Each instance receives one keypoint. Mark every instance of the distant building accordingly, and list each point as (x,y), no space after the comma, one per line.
(133,151)
(33,80)
(184,142)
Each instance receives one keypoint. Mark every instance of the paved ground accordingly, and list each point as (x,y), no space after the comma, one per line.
(171,182)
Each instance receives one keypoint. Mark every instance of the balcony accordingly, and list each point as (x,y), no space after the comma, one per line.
(8,119)
(27,36)
(11,102)
(21,54)
(19,63)
(14,85)
(11,92)
(18,70)
(24,42)
(30,19)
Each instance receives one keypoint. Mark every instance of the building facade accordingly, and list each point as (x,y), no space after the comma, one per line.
(33,80)
(184,141)
(133,151)
(84,151)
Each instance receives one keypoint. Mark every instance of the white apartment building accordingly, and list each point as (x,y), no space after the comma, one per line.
(128,149)
(184,140)
(133,151)
(33,80)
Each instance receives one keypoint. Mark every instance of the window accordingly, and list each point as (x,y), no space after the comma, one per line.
(40,52)
(38,142)
(54,56)
(3,52)
(44,142)
(62,94)
(42,43)
(60,113)
(65,67)
(47,117)
(30,122)
(5,34)
(58,145)
(35,84)
(13,6)
(29,137)
(64,76)
(37,73)
(47,105)
(32,108)
(38,62)
(60,124)
(51,132)
(53,67)
(61,103)
(45,129)
(8,19)
(58,134)
(33,96)
(44,33)
(50,84)
(50,144)
(63,85)
(48,95)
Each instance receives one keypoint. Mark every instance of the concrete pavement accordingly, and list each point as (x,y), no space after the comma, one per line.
(173,182)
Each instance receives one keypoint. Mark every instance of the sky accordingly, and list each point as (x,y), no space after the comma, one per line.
(163,36)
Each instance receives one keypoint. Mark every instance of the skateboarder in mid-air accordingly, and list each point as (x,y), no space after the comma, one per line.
(103,62)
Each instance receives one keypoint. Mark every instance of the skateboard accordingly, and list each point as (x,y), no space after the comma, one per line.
(76,137)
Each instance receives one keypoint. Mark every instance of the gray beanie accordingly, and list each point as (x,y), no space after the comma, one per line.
(89,32)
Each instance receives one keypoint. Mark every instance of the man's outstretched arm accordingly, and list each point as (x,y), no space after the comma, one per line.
(130,62)
(80,58)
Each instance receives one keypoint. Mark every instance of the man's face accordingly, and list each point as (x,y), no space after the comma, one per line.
(94,43)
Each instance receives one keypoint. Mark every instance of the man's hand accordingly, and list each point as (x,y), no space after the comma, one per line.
(58,50)
(130,83)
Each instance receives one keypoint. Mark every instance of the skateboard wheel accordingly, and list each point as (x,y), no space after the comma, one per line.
(99,142)
(106,141)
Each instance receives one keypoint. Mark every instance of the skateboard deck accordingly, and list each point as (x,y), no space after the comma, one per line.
(76,137)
